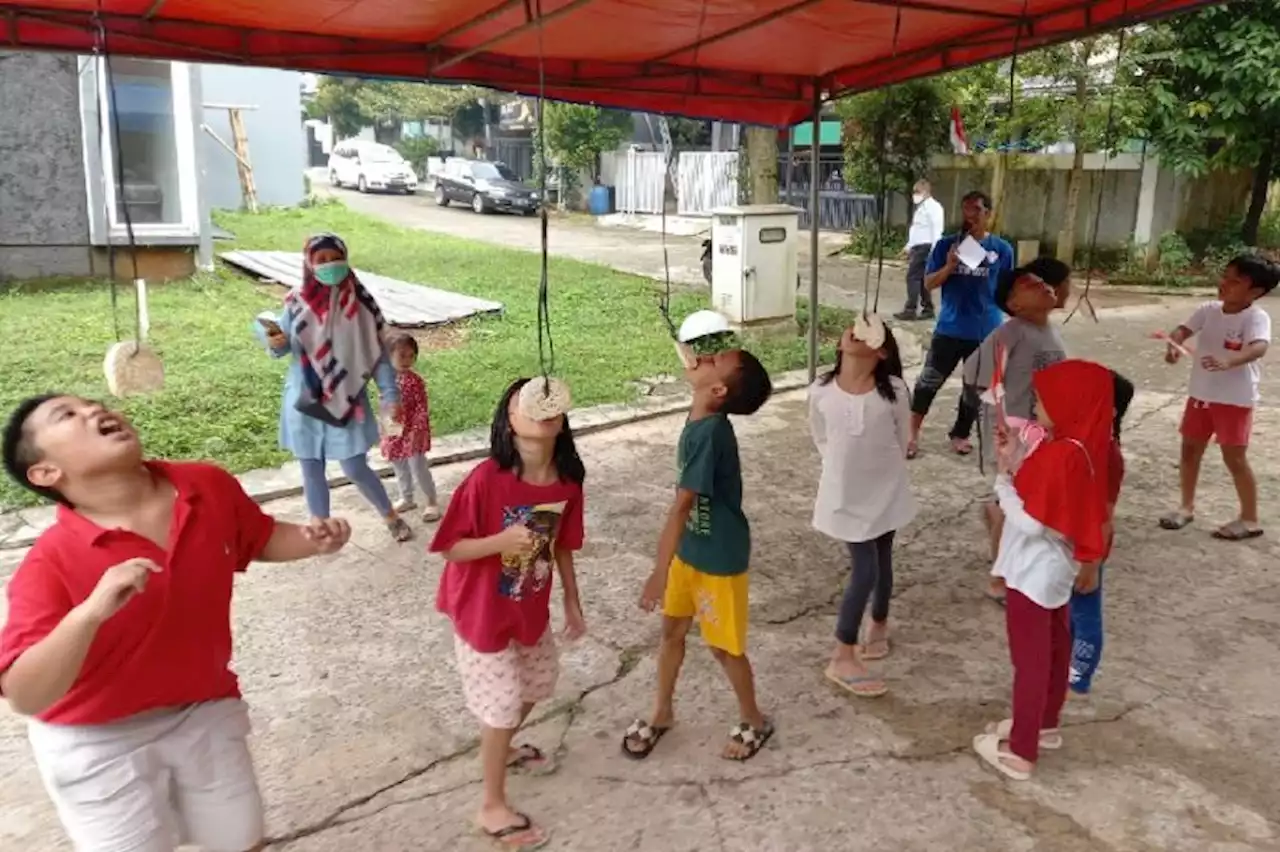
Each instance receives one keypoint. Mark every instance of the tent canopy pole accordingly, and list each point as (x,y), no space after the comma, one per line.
(814,149)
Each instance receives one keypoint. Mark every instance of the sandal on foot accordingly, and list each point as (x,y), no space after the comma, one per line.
(988,748)
(753,740)
(1237,531)
(961,446)
(1050,738)
(511,836)
(641,738)
(882,649)
(405,505)
(530,760)
(863,686)
(1176,520)
(913,449)
(399,530)
(431,514)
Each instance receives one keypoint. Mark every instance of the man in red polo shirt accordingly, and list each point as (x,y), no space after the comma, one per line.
(118,638)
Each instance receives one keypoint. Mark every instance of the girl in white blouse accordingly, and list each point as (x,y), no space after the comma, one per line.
(861,420)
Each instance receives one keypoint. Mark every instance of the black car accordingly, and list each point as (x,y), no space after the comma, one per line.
(484,186)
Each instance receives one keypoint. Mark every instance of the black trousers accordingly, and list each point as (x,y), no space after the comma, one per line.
(945,354)
(870,578)
(918,295)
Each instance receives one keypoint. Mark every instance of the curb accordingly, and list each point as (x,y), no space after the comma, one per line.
(268,484)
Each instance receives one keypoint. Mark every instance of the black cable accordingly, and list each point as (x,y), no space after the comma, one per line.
(547,349)
(99,49)
(883,201)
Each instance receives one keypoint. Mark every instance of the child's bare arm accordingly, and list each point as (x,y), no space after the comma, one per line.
(568,577)
(668,541)
(1249,353)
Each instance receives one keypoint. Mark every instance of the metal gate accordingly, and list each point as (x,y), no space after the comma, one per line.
(707,180)
(641,180)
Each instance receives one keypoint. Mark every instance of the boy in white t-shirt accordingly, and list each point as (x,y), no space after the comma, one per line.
(1232,334)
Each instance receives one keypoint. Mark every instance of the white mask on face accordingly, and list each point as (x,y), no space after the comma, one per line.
(917,197)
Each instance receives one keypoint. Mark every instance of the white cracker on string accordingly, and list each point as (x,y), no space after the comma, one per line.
(869,328)
(544,399)
(132,368)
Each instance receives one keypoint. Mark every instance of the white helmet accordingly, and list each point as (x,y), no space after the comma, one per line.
(703,324)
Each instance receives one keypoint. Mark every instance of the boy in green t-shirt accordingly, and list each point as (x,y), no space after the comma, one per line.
(704,550)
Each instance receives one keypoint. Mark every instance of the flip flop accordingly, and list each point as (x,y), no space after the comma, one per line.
(644,735)
(1050,738)
(863,686)
(400,530)
(913,449)
(530,760)
(872,656)
(1237,531)
(961,446)
(744,734)
(988,748)
(1176,520)
(508,838)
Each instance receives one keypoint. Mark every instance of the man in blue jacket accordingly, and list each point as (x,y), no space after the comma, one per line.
(968,314)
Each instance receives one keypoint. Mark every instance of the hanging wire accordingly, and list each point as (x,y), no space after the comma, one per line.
(882,201)
(1108,140)
(546,345)
(664,304)
(102,55)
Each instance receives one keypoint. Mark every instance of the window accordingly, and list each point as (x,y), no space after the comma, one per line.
(772,235)
(153,125)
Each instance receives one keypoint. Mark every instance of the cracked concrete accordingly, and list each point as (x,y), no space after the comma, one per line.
(362,741)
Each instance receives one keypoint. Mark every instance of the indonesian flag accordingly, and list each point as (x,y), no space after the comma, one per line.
(959,144)
(995,394)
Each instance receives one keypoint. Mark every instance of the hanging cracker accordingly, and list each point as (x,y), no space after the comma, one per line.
(869,328)
(132,368)
(544,399)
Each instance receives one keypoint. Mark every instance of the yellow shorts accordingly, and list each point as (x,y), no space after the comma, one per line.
(719,603)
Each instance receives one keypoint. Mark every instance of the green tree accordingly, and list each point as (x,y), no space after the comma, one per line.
(898,128)
(577,134)
(352,104)
(1214,80)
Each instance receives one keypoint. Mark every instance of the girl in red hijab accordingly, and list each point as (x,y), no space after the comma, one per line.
(1055,506)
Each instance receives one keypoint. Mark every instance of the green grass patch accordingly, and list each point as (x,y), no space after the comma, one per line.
(222,394)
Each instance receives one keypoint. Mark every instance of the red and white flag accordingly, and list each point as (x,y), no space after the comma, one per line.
(959,144)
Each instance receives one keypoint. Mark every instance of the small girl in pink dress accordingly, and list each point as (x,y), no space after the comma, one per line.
(407,441)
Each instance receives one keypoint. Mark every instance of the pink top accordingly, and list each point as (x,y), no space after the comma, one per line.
(415,417)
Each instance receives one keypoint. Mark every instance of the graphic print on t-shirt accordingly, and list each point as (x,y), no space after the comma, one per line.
(529,572)
(1233,339)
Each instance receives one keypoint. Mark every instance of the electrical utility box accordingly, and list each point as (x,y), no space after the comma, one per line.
(753,266)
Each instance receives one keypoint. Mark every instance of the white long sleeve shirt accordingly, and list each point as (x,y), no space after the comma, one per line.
(1033,560)
(864,490)
(927,224)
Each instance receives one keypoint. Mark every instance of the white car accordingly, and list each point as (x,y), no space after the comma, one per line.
(371,166)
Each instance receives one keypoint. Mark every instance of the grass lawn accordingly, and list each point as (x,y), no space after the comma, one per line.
(222,395)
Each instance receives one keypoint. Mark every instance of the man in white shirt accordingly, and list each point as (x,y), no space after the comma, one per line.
(926,229)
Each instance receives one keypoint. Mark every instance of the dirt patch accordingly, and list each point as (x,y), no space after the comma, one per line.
(437,337)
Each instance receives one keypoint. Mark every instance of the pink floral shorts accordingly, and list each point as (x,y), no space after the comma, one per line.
(496,686)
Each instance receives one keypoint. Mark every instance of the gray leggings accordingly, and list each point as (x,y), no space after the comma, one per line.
(419,468)
(870,578)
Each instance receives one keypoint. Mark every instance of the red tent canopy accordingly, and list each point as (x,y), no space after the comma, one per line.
(755,61)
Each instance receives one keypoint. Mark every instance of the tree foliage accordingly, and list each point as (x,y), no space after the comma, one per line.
(1214,81)
(352,104)
(904,124)
(577,133)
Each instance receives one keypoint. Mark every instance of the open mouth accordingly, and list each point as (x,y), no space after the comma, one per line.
(109,425)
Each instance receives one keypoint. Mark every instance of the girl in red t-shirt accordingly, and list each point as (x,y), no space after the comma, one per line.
(407,448)
(517,515)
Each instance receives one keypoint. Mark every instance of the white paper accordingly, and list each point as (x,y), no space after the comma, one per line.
(971,253)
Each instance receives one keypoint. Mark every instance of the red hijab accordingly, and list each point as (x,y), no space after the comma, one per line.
(1063,484)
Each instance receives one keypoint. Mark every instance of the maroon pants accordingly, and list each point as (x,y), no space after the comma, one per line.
(1040,647)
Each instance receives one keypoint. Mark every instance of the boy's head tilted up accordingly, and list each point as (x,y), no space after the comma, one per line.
(731,382)
(54,442)
(1247,278)
(1024,294)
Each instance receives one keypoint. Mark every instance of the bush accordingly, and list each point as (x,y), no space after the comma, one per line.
(416,150)
(1269,230)
(1175,254)
(864,240)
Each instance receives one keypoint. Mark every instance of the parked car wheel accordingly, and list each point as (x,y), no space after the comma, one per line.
(361,185)
(408,190)
(477,204)
(333,179)
(441,199)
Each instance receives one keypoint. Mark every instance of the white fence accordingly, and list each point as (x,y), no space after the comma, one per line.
(640,178)
(707,180)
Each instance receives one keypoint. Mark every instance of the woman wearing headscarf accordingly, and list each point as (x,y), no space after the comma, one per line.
(332,329)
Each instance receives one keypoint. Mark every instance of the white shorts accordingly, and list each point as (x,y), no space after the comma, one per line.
(497,686)
(152,783)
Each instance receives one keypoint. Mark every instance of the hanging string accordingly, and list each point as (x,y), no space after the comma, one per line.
(882,201)
(546,345)
(103,56)
(1108,140)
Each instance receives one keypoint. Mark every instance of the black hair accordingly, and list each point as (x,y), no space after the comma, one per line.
(1050,270)
(399,339)
(1004,286)
(1122,390)
(888,366)
(1262,274)
(977,195)
(750,388)
(502,442)
(20,453)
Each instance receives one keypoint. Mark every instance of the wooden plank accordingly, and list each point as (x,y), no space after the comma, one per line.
(404,304)
(240,138)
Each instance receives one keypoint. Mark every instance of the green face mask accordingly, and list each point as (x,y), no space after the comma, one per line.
(332,274)
(713,343)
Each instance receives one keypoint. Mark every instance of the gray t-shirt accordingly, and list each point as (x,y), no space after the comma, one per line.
(1028,347)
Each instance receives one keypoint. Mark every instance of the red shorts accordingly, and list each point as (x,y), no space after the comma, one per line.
(1230,424)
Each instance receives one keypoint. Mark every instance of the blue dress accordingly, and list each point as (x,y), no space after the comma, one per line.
(309,438)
